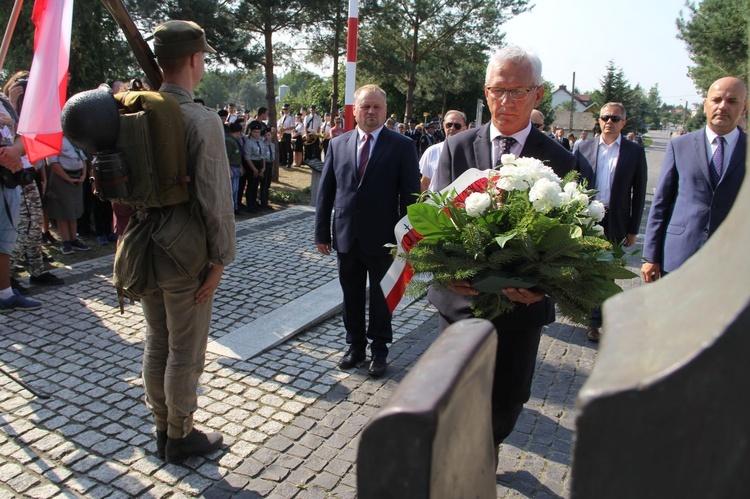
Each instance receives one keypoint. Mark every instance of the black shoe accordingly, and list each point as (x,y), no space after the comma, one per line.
(48,238)
(46,279)
(352,358)
(161,443)
(377,366)
(196,443)
(18,287)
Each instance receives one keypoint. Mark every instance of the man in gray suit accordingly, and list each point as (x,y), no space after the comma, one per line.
(513,87)
(699,180)
(616,168)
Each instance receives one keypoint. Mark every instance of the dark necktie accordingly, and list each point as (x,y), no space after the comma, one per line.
(717,162)
(364,155)
(502,146)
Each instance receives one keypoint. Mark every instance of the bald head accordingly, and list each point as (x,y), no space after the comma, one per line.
(537,119)
(725,103)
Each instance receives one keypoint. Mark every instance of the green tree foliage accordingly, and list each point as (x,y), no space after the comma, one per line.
(615,88)
(219,88)
(398,36)
(653,107)
(715,33)
(305,89)
(98,51)
(326,43)
(451,77)
(221,21)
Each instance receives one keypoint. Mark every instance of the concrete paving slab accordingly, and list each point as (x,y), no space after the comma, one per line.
(280,324)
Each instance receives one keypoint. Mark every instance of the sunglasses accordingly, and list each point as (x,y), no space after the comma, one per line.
(457,126)
(615,119)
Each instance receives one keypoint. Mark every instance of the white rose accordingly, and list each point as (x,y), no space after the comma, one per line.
(477,203)
(508,159)
(598,229)
(545,195)
(596,211)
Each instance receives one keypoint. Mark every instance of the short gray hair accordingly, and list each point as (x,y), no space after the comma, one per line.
(518,55)
(458,113)
(619,105)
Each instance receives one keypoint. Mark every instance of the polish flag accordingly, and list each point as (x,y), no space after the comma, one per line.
(39,124)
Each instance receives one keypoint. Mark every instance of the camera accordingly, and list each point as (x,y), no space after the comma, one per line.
(12,180)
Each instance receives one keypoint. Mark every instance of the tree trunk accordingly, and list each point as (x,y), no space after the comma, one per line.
(336,41)
(271,96)
(411,78)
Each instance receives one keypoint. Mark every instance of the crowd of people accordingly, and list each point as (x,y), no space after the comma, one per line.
(370,176)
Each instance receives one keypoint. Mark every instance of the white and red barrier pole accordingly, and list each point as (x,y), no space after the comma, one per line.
(351,64)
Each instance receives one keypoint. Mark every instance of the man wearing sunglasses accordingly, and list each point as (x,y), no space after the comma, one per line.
(454,123)
(617,169)
(513,88)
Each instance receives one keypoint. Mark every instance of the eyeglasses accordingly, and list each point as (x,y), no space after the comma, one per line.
(538,125)
(615,119)
(457,126)
(515,93)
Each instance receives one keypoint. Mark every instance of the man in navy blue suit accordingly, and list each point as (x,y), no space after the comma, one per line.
(513,87)
(370,176)
(617,169)
(699,180)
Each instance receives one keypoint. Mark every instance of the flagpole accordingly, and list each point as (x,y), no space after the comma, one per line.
(9,31)
(138,45)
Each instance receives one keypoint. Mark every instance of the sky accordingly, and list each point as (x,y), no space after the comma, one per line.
(582,36)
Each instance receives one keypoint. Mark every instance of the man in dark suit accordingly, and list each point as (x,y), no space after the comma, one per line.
(699,180)
(560,138)
(617,169)
(513,87)
(370,175)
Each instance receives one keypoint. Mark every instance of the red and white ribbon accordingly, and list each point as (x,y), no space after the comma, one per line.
(401,272)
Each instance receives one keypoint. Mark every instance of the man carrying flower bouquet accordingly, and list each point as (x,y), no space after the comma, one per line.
(513,88)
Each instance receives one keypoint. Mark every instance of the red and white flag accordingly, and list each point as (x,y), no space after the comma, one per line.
(39,124)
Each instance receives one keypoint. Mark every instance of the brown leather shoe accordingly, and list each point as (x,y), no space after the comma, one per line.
(594,334)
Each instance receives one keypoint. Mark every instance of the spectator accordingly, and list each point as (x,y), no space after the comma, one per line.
(29,244)
(67,173)
(455,123)
(10,164)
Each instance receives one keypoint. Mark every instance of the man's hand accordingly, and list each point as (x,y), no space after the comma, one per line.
(213,278)
(462,288)
(10,157)
(523,295)
(324,248)
(650,272)
(629,240)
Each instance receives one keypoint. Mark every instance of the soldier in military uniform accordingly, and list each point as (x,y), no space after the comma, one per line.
(178,313)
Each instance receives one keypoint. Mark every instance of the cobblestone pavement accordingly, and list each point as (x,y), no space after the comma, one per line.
(291,420)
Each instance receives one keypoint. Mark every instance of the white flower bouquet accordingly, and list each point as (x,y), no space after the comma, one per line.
(523,223)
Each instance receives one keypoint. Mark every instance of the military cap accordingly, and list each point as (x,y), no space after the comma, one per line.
(174,39)
(235,127)
(255,125)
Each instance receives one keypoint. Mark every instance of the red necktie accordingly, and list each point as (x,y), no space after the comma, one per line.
(364,155)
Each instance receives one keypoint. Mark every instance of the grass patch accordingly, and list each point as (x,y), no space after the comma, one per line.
(285,197)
